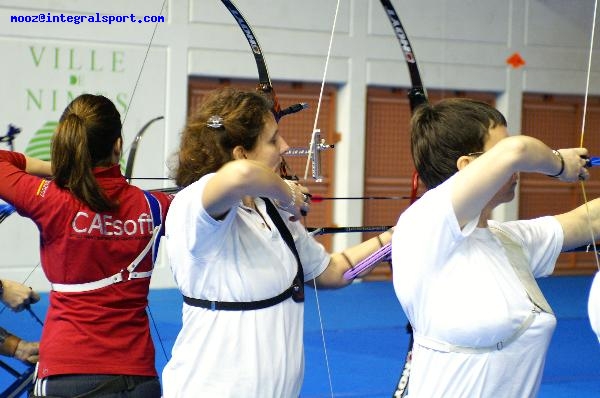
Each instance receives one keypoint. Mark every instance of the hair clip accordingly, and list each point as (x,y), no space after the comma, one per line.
(215,122)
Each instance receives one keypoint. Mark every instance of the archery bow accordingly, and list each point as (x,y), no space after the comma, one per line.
(317,145)
(264,81)
(590,161)
(266,87)
(417,96)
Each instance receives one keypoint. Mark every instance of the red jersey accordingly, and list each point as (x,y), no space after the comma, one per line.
(103,331)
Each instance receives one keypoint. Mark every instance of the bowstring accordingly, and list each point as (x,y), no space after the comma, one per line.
(311,148)
(139,76)
(162,7)
(135,86)
(28,306)
(585,105)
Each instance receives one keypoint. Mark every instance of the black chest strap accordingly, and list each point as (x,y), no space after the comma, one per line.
(295,291)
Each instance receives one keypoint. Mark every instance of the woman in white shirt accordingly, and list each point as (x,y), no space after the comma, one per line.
(242,333)
(481,325)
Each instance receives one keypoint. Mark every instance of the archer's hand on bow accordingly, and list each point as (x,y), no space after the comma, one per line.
(17,296)
(573,164)
(299,200)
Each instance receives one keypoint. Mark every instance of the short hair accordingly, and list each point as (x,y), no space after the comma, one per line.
(447,130)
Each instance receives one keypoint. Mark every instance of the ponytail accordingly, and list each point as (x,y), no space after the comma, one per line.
(84,138)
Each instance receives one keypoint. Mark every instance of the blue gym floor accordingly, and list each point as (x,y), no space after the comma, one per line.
(366,339)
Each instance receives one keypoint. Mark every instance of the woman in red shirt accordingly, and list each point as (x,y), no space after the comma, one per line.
(96,234)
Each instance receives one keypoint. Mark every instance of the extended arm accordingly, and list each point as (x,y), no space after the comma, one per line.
(40,168)
(241,178)
(479,180)
(333,276)
(577,227)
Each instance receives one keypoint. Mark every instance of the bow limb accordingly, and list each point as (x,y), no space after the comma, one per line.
(264,81)
(417,96)
(134,145)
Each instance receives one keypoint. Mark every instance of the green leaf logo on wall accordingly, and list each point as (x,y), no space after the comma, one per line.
(39,146)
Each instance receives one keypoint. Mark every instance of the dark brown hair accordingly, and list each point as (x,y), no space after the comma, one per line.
(203,149)
(443,132)
(84,138)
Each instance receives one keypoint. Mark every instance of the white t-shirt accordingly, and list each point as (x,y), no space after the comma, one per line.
(594,305)
(457,286)
(257,353)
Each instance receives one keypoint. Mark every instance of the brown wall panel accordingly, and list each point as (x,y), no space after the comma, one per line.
(557,121)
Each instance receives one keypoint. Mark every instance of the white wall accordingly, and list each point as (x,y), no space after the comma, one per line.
(459,44)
